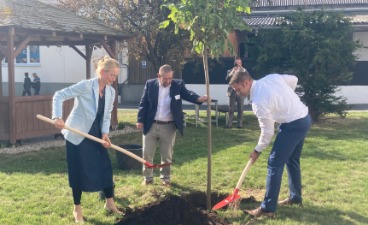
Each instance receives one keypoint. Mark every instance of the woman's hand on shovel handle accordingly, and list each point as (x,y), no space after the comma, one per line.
(106,138)
(59,123)
(254,155)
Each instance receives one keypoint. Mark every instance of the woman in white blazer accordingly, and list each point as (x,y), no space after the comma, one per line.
(89,165)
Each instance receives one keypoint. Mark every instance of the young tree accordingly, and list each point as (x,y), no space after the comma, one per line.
(209,22)
(318,48)
(141,18)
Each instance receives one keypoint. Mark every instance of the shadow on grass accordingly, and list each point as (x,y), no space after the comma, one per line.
(340,128)
(318,152)
(194,143)
(309,214)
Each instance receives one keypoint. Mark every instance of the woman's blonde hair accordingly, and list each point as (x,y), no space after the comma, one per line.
(106,63)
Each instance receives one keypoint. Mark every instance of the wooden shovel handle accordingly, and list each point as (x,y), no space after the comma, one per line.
(48,120)
(244,173)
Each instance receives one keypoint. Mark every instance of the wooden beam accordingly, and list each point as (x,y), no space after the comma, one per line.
(78,51)
(89,50)
(22,45)
(108,49)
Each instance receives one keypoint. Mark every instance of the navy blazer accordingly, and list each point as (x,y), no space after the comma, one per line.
(148,105)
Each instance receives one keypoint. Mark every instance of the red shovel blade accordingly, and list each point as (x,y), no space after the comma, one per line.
(226,201)
(150,165)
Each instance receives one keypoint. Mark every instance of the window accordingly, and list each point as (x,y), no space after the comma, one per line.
(22,57)
(34,55)
(29,55)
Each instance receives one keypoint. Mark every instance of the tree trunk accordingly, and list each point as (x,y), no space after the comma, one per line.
(209,123)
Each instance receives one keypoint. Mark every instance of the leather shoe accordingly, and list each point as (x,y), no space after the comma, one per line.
(288,201)
(258,213)
(147,182)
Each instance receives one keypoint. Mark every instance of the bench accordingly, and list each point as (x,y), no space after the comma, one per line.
(224,109)
(213,106)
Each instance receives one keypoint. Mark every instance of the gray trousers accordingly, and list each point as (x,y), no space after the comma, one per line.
(239,100)
(164,136)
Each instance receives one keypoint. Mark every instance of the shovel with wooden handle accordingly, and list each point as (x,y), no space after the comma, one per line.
(132,155)
(235,194)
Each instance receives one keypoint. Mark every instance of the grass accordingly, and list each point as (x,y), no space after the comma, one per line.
(34,186)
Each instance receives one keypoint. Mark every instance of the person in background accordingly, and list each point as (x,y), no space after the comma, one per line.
(274,100)
(89,165)
(234,98)
(160,113)
(36,84)
(27,85)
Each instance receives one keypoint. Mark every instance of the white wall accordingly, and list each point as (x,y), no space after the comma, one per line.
(60,65)
(354,94)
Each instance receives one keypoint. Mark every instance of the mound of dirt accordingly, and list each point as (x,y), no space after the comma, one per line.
(175,210)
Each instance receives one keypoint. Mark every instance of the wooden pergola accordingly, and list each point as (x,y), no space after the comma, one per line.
(30,22)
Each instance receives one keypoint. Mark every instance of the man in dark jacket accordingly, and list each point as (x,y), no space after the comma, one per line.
(27,85)
(160,113)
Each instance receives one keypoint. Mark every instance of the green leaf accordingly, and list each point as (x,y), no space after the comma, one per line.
(164,24)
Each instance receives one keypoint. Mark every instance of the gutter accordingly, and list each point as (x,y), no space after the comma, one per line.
(288,11)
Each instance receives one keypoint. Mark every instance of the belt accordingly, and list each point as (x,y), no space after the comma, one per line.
(162,122)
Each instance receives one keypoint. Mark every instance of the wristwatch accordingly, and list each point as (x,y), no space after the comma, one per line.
(57,118)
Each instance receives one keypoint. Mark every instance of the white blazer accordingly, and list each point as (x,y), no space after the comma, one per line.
(85,94)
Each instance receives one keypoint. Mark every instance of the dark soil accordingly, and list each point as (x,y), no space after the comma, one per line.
(189,209)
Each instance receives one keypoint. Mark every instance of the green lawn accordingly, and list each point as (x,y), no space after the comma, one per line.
(34,187)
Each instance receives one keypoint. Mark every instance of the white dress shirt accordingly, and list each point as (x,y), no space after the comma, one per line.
(163,105)
(274,100)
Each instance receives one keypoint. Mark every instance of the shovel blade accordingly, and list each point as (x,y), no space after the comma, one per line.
(226,201)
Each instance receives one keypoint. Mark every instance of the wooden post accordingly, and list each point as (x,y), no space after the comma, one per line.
(11,83)
(1,75)
(114,114)
(89,49)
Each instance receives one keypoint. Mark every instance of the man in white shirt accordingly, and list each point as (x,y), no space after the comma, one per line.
(274,100)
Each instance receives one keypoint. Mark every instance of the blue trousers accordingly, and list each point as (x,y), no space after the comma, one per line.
(286,149)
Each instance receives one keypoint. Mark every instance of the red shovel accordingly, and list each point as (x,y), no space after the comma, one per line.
(235,195)
(134,156)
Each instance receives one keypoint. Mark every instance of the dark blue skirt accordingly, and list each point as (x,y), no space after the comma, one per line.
(89,164)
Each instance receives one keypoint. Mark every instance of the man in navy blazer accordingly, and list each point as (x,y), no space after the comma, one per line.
(160,113)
